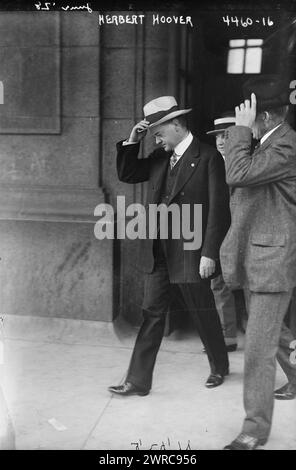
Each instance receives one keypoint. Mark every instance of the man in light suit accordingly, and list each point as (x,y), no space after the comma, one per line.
(259,250)
(183,171)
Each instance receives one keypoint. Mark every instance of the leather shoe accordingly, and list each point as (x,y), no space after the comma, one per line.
(245,442)
(287,392)
(128,389)
(214,380)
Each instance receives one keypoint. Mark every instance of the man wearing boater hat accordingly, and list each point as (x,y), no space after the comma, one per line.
(182,171)
(259,250)
(224,297)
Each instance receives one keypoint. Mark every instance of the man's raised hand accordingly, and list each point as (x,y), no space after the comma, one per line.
(139,131)
(245,114)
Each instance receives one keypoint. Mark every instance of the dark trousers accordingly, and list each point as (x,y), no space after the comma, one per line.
(200,303)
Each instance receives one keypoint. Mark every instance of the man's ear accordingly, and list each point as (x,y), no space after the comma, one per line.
(176,124)
(266,116)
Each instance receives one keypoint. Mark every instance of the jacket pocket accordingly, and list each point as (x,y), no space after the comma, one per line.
(268,239)
(266,263)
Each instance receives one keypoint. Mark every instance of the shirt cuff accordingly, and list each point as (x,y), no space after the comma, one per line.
(126,142)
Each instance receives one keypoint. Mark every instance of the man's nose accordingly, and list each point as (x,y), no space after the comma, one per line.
(157,140)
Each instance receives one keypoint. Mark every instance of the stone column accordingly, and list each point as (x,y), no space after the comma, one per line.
(51,262)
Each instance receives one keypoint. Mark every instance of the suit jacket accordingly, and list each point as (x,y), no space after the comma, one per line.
(200,180)
(259,250)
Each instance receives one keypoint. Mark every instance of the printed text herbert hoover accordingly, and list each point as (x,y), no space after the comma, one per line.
(139,19)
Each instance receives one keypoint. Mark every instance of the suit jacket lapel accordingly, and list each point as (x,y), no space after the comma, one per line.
(188,164)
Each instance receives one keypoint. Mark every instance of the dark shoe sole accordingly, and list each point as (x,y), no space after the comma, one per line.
(230,447)
(214,385)
(142,394)
(230,348)
(287,392)
(129,394)
(285,397)
(233,446)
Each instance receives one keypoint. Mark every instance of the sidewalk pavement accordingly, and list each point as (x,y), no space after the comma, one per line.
(56,375)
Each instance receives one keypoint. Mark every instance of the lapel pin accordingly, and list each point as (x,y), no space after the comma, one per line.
(192,164)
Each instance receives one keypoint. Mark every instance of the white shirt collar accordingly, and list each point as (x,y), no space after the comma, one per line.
(269,133)
(183,145)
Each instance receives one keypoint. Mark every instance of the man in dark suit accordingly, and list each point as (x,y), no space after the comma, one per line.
(184,172)
(259,250)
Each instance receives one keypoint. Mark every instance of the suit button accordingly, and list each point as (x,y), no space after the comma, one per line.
(192,164)
(182,193)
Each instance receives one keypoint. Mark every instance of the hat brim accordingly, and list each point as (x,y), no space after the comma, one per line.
(170,116)
(222,129)
(216,131)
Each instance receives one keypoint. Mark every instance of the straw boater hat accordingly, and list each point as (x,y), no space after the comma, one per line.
(226,120)
(162,109)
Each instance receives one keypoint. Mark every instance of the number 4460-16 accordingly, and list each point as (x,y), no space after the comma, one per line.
(245,22)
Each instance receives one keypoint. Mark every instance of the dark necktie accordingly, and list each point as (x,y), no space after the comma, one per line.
(173,160)
(256,146)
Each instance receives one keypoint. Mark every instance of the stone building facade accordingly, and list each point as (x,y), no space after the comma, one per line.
(72,89)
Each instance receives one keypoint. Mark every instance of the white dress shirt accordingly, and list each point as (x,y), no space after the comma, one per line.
(182,146)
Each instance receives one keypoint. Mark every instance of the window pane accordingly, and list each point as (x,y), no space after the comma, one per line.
(253,60)
(235,63)
(237,42)
(254,42)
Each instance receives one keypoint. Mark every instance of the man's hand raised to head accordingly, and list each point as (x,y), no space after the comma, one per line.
(245,114)
(139,131)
